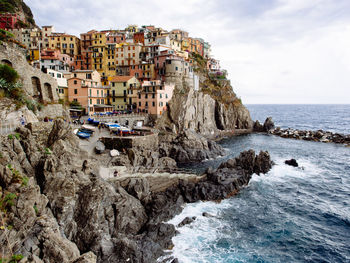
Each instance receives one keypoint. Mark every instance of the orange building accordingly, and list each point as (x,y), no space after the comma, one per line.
(139,37)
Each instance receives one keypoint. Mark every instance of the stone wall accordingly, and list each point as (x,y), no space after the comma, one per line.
(149,142)
(131,118)
(36,84)
(53,111)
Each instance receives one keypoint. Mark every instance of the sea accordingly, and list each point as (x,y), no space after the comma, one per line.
(287,215)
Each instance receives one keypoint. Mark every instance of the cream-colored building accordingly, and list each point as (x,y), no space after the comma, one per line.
(123,92)
(127,55)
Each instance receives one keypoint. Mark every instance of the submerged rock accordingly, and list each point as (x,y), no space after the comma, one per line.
(291,162)
(186,221)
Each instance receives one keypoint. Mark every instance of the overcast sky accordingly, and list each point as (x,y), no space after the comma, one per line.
(276,51)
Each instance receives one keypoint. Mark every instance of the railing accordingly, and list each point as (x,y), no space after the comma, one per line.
(165,170)
(7,127)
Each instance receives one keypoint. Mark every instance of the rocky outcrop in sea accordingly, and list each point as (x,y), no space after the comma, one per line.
(316,136)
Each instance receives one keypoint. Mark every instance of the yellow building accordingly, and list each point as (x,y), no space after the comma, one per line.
(67,44)
(123,92)
(185,45)
(132,29)
(99,53)
(148,71)
(33,55)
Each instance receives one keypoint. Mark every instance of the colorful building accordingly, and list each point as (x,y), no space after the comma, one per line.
(122,92)
(62,84)
(153,97)
(85,87)
(8,20)
(128,55)
(67,44)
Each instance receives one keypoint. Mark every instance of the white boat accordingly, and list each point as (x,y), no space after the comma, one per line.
(89,127)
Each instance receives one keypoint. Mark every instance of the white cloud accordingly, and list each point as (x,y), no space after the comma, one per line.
(276,51)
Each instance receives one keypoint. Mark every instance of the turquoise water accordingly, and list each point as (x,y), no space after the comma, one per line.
(288,215)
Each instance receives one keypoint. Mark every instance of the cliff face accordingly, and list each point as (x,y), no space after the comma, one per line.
(214,107)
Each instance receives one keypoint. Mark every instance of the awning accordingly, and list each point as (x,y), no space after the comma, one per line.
(102,106)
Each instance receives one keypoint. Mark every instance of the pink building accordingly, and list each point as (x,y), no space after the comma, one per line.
(85,87)
(154,96)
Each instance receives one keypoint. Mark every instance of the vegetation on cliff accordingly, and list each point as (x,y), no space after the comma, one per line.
(11,87)
(215,84)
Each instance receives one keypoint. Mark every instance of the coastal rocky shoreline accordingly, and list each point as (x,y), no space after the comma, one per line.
(64,211)
(316,136)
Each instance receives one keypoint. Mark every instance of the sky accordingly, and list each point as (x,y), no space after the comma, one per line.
(275,51)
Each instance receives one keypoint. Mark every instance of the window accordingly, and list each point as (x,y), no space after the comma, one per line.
(146,104)
(160,95)
(153,104)
(90,92)
(166,96)
(98,101)
(113,99)
(75,100)
(124,84)
(146,96)
(176,68)
(113,93)
(75,91)
(75,82)
(90,101)
(140,104)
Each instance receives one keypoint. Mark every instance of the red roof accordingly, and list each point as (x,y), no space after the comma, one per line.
(121,78)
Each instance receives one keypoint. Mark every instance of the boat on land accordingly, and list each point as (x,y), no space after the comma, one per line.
(83,135)
(89,127)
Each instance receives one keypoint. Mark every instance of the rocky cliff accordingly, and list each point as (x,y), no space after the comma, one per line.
(55,208)
(214,107)
(197,116)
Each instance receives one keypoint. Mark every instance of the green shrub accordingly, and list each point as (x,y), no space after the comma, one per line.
(8,74)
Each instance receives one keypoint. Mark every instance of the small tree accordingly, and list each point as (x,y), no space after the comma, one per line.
(75,104)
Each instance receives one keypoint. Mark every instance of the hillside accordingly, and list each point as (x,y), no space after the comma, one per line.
(19,7)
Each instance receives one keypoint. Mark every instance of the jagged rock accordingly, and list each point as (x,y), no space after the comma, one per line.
(258,127)
(291,162)
(186,221)
(268,124)
(88,257)
(189,147)
(205,214)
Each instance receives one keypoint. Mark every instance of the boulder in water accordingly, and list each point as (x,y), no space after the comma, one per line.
(186,221)
(291,162)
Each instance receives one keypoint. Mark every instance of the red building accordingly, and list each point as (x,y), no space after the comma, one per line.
(139,37)
(8,21)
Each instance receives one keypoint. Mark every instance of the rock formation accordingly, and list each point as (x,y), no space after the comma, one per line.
(200,115)
(316,136)
(60,212)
